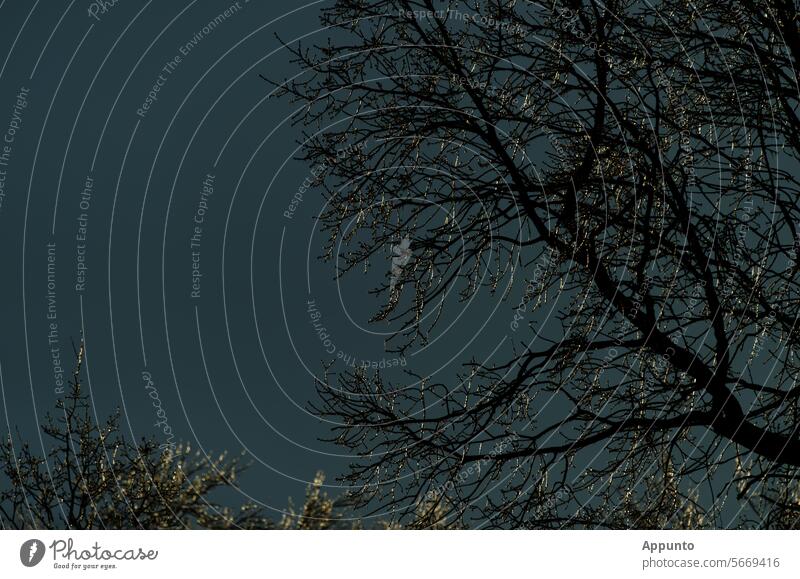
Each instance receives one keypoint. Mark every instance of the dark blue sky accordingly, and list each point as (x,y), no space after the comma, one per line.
(151,201)
(145,152)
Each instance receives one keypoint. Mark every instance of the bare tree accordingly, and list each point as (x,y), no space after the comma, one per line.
(632,166)
(92,478)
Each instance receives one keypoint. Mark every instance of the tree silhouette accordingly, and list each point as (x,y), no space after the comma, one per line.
(634,164)
(92,478)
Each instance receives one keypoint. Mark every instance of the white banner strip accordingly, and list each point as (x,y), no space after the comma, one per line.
(396,554)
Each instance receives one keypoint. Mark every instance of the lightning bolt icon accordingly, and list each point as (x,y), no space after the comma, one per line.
(34,548)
